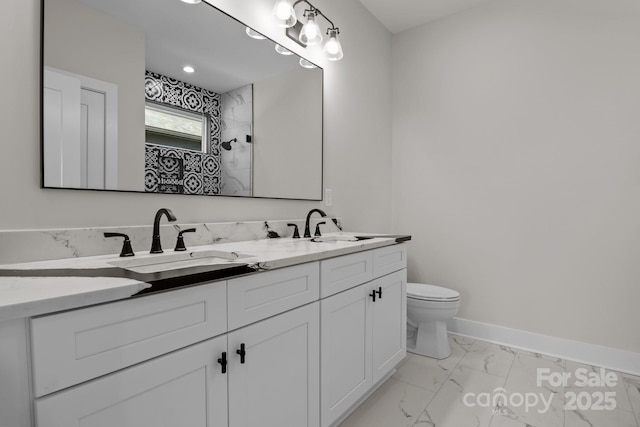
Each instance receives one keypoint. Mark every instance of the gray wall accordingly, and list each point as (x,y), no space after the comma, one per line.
(297,145)
(516,129)
(88,48)
(357,121)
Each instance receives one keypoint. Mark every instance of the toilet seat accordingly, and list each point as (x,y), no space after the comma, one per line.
(425,292)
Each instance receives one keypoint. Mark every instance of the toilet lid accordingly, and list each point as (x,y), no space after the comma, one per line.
(431,292)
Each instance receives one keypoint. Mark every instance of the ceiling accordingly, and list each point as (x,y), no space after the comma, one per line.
(199,35)
(400,15)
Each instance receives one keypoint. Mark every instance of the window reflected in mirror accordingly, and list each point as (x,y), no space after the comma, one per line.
(172,127)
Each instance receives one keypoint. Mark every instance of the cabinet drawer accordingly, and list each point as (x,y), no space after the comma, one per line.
(389,259)
(266,294)
(341,273)
(75,346)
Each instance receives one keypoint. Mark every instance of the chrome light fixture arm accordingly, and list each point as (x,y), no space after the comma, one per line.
(318,12)
(309,33)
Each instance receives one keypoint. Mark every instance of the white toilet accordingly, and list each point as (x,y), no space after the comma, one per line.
(428,309)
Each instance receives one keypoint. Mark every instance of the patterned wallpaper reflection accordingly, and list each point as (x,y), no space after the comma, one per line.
(175,170)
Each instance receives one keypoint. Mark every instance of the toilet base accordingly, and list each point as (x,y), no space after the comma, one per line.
(430,340)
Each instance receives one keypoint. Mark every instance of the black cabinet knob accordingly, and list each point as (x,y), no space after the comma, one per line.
(223,362)
(242,353)
(379,292)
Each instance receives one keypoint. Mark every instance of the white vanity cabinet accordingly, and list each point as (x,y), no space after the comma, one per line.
(271,366)
(363,330)
(295,346)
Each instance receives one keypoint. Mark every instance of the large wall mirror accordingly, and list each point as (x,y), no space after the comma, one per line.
(122,110)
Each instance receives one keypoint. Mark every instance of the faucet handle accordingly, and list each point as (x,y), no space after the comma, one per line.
(127,250)
(317,233)
(296,233)
(180,242)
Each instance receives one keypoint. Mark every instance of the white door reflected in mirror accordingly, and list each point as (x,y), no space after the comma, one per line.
(80,120)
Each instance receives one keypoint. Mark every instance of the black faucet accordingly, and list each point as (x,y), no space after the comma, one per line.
(307,232)
(156,247)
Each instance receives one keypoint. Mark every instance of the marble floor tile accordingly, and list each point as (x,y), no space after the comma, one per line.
(555,360)
(632,384)
(426,392)
(528,402)
(527,366)
(465,342)
(590,418)
(579,371)
(501,421)
(459,402)
(430,373)
(394,404)
(489,358)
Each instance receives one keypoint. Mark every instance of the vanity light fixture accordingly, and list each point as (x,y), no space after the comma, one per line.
(333,48)
(283,50)
(254,34)
(308,33)
(311,34)
(283,14)
(188,69)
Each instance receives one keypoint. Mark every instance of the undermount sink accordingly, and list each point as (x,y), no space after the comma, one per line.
(339,238)
(154,263)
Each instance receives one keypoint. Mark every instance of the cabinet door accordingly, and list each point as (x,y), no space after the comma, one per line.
(185,388)
(345,351)
(278,383)
(389,329)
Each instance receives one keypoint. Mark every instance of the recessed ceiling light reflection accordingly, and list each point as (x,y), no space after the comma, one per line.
(188,69)
(191,1)
(283,50)
(254,34)
(306,64)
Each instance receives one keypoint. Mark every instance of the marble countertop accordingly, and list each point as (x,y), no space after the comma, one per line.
(34,288)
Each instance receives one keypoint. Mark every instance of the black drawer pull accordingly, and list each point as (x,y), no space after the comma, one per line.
(379,292)
(242,353)
(223,361)
(373,295)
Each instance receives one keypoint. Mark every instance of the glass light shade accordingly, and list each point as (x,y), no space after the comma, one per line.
(283,50)
(283,14)
(306,64)
(254,34)
(310,34)
(333,48)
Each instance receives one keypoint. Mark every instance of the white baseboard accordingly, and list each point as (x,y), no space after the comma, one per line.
(591,354)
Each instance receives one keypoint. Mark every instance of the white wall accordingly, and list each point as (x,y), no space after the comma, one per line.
(516,164)
(357,144)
